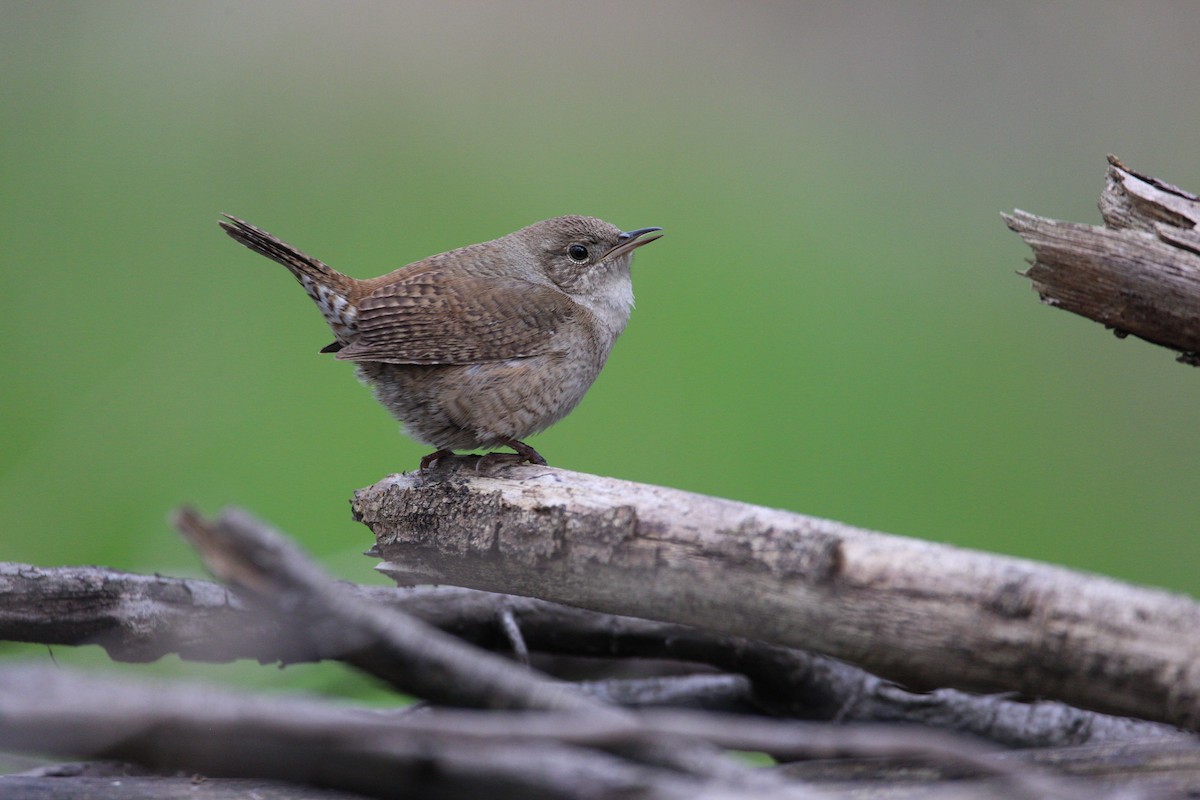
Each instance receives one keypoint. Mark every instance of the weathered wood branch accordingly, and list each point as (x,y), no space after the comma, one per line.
(267,568)
(142,618)
(1143,769)
(65,786)
(612,752)
(446,753)
(924,614)
(270,571)
(1139,274)
(213,732)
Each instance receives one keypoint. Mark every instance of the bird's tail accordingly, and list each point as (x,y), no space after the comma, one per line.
(328,288)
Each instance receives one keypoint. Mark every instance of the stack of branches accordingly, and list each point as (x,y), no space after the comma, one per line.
(856,662)
(491,725)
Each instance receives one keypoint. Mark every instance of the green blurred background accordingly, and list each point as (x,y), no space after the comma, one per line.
(833,323)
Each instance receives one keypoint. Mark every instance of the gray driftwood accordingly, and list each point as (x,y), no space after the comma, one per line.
(145,617)
(453,753)
(268,569)
(584,749)
(1138,274)
(924,614)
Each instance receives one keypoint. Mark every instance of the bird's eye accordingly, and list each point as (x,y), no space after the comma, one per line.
(578,253)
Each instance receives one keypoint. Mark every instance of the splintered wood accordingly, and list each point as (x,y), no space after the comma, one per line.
(1138,274)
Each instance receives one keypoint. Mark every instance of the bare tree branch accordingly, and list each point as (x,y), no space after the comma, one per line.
(1155,770)
(119,781)
(452,753)
(400,649)
(728,693)
(414,657)
(305,741)
(924,614)
(141,618)
(1140,274)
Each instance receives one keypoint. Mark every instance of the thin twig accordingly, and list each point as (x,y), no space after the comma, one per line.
(512,632)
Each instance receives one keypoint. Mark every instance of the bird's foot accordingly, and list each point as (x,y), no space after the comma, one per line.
(487,461)
(434,457)
(526,452)
(524,455)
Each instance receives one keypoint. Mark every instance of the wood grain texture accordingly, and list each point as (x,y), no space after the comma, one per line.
(1139,274)
(924,614)
(143,617)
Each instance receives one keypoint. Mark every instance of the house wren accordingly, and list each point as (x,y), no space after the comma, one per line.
(481,346)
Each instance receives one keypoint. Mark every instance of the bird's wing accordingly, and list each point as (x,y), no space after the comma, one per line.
(426,318)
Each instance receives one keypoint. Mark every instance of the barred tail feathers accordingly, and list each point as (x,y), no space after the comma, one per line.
(328,288)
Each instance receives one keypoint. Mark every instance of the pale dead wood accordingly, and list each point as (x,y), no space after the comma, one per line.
(115,781)
(272,575)
(924,614)
(414,657)
(1139,274)
(719,692)
(220,733)
(160,788)
(266,567)
(142,618)
(453,753)
(1128,769)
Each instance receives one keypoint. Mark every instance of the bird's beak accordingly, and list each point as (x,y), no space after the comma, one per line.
(628,241)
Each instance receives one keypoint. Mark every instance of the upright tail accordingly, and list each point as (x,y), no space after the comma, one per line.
(329,289)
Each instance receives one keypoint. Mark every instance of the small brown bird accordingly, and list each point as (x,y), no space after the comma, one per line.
(485,345)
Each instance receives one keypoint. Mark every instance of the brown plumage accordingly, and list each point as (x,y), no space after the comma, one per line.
(481,346)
